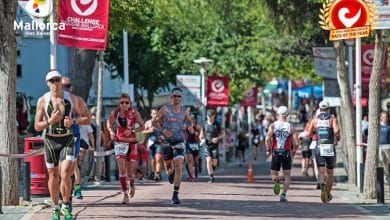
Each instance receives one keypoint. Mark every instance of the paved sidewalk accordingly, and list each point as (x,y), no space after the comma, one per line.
(230,197)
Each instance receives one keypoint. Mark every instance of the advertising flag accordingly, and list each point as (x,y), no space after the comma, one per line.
(250,98)
(217,91)
(86,23)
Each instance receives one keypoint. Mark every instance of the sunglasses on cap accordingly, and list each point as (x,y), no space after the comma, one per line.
(124,102)
(54,80)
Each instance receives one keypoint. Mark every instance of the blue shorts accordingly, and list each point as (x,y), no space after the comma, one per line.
(76,133)
(155,149)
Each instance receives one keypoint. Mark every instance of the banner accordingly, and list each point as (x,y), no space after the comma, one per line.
(217,91)
(367,63)
(86,23)
(190,85)
(250,98)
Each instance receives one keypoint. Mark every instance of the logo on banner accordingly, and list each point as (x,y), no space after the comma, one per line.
(348,19)
(218,86)
(84,7)
(368,57)
(249,94)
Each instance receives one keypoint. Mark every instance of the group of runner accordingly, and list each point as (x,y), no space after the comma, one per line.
(317,142)
(170,135)
(65,121)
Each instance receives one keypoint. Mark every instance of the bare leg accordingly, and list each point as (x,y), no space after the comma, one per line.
(53,184)
(66,182)
(287,180)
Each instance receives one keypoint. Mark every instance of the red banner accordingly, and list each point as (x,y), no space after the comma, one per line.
(367,63)
(250,98)
(86,23)
(217,91)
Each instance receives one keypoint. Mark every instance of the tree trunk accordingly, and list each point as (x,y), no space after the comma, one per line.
(346,108)
(81,75)
(8,139)
(369,190)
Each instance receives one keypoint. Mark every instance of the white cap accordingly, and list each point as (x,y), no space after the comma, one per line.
(283,110)
(53,74)
(324,104)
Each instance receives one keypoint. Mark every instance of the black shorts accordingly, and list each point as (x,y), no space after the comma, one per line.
(211,151)
(281,158)
(172,150)
(58,149)
(306,154)
(328,162)
(192,148)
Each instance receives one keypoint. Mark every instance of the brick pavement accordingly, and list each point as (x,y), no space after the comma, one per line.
(230,197)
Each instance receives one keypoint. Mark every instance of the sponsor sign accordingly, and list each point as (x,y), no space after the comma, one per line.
(383,13)
(86,23)
(217,91)
(191,87)
(250,97)
(347,19)
(367,62)
(325,62)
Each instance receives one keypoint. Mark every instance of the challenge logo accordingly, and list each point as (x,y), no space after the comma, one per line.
(368,57)
(348,19)
(218,86)
(84,7)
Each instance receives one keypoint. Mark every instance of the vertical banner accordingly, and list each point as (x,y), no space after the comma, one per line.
(250,98)
(86,23)
(217,91)
(190,85)
(367,63)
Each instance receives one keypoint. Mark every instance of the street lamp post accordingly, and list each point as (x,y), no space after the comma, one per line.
(203,62)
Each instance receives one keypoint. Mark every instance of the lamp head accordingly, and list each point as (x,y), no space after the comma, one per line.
(203,60)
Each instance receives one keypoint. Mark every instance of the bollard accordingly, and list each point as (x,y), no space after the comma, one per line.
(1,190)
(362,167)
(107,173)
(380,189)
(26,181)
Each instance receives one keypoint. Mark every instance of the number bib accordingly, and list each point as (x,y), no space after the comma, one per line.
(121,148)
(194,146)
(313,145)
(326,150)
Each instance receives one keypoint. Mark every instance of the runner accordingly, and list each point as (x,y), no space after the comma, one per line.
(169,122)
(151,133)
(258,132)
(305,142)
(282,142)
(328,133)
(54,116)
(125,142)
(192,150)
(76,178)
(212,132)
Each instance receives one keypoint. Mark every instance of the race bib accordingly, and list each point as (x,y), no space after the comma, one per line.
(121,149)
(313,145)
(326,150)
(194,146)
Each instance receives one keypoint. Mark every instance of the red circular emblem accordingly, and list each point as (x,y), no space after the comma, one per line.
(349,14)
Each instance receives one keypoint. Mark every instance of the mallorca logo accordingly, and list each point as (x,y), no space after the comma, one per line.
(39,8)
(348,19)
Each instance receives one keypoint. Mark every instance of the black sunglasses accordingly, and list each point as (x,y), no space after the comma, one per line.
(68,85)
(125,103)
(176,96)
(55,80)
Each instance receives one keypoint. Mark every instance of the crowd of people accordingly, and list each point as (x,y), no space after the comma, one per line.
(172,140)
